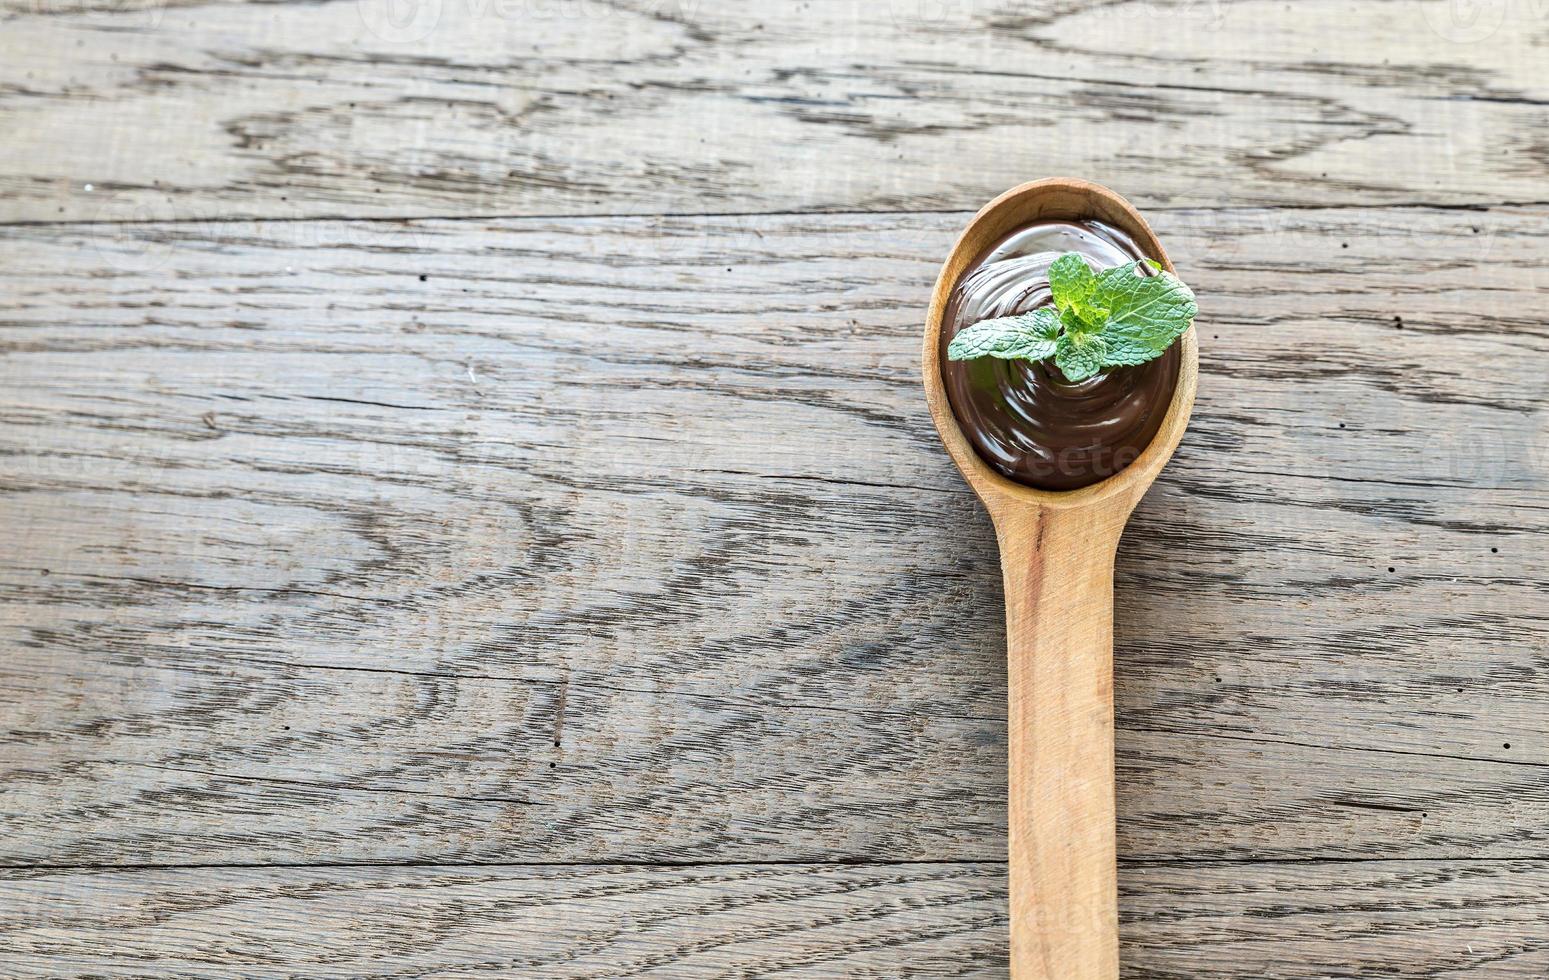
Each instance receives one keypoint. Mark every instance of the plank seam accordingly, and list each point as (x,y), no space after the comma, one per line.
(1479,206)
(17,870)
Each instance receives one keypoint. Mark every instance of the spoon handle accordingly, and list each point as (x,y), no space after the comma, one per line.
(1058,569)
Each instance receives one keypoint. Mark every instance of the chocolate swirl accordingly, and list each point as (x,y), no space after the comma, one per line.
(1025,419)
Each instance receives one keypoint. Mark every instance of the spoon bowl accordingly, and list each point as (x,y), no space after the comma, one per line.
(1057,551)
(1051,198)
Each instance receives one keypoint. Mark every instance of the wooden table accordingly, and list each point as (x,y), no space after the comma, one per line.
(469,507)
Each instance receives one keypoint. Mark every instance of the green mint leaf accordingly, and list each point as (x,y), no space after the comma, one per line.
(1071,281)
(1080,355)
(1145,313)
(1113,318)
(1030,336)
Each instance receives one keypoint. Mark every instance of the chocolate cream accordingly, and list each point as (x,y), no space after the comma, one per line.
(1024,418)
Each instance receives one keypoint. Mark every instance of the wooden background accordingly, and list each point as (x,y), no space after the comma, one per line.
(469,508)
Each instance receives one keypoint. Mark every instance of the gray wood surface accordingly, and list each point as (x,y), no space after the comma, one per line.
(554,586)
(1309,919)
(195,109)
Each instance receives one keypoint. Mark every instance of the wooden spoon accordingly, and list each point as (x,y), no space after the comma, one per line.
(1056,553)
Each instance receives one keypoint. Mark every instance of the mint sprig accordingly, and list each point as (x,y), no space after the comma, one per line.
(1113,318)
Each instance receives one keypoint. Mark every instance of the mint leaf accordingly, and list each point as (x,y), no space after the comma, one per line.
(1029,336)
(1071,281)
(1080,355)
(1145,313)
(1113,318)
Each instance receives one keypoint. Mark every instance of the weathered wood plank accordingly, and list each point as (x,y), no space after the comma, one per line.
(1393,919)
(312,560)
(178,110)
(1336,921)
(248,766)
(908,920)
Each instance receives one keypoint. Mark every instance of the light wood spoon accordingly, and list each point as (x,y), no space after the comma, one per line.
(1056,552)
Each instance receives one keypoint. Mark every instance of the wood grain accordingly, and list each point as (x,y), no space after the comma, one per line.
(1433,920)
(310,560)
(154,109)
(539,922)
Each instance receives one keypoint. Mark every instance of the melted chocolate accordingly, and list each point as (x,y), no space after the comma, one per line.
(1025,419)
